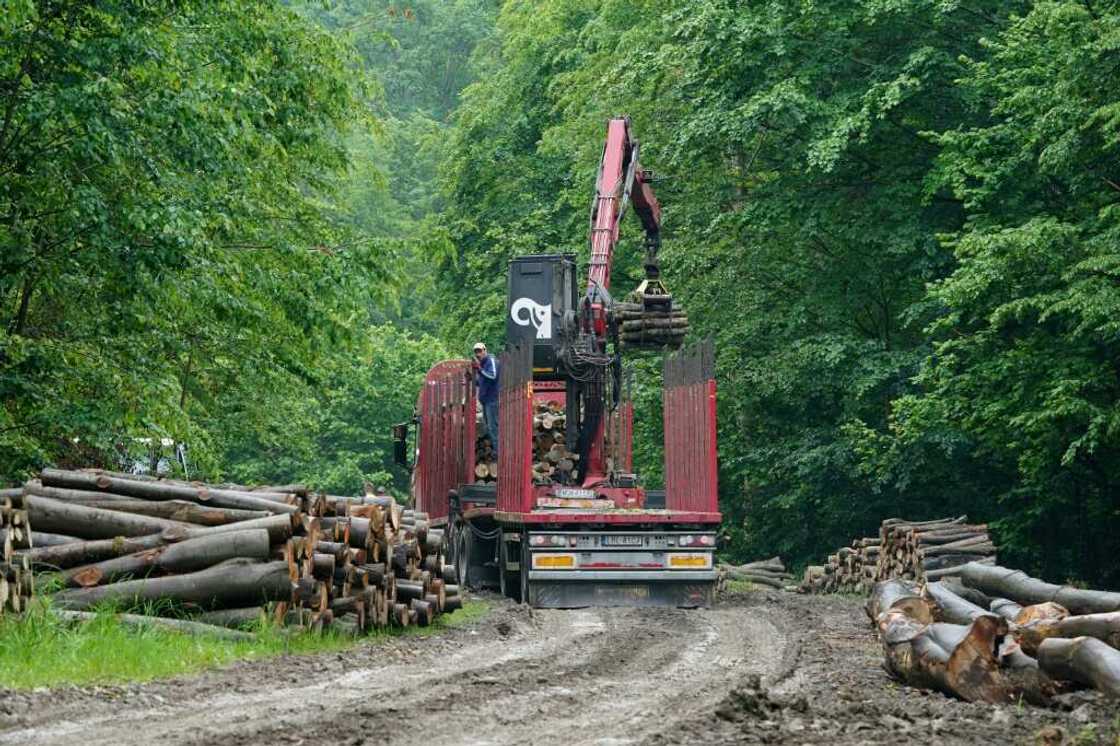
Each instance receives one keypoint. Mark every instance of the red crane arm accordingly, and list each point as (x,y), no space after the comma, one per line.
(621,180)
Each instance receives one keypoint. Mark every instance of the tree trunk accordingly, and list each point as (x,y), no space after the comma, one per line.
(279,529)
(91,523)
(175,510)
(1020,587)
(235,618)
(62,556)
(44,539)
(232,583)
(756,578)
(1006,608)
(1104,627)
(154,622)
(898,594)
(951,607)
(1082,659)
(960,660)
(150,490)
(186,556)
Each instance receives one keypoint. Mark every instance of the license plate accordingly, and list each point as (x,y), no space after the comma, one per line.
(622,541)
(574,493)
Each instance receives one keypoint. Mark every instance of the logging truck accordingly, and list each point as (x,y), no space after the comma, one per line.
(559,519)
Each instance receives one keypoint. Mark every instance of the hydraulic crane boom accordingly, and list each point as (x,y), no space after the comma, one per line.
(649,318)
(621,180)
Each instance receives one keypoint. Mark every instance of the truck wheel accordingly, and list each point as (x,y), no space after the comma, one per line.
(463,557)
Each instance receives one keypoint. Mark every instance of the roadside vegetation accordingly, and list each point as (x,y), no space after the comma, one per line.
(39,649)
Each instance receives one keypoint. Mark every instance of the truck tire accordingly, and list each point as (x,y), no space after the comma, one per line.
(463,556)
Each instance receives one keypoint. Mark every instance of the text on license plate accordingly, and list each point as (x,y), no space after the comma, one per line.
(622,541)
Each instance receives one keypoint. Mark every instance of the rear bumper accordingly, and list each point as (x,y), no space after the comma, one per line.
(625,576)
(581,589)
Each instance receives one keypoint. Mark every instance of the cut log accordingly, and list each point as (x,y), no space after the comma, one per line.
(91,523)
(963,661)
(1020,587)
(951,607)
(954,585)
(187,556)
(756,578)
(1005,608)
(279,528)
(231,583)
(44,539)
(182,511)
(1083,659)
(164,491)
(898,594)
(154,622)
(236,618)
(64,556)
(1104,627)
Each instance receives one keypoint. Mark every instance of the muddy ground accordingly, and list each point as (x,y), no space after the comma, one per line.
(763,667)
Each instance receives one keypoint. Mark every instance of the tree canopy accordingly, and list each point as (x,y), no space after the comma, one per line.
(252,227)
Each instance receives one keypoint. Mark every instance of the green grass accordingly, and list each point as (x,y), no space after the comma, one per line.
(38,649)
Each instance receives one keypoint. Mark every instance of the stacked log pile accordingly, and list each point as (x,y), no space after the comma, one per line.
(552,461)
(850,570)
(658,326)
(769,572)
(929,550)
(17,584)
(997,635)
(485,460)
(237,554)
(912,550)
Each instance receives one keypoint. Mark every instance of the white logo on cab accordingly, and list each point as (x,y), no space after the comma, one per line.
(526,312)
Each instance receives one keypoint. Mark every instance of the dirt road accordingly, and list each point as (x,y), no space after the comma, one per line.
(765,667)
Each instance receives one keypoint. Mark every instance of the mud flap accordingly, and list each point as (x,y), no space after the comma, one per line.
(574,594)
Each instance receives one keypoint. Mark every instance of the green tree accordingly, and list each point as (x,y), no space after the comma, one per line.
(171,257)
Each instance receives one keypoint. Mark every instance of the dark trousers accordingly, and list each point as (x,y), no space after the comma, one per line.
(490,416)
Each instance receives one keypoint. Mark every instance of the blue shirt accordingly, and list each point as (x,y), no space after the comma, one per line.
(487,380)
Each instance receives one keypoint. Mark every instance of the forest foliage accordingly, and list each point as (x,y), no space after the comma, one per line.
(251,227)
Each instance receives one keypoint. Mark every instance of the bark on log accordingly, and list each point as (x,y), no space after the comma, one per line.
(951,607)
(91,523)
(898,594)
(1020,587)
(1006,608)
(231,583)
(154,622)
(62,556)
(44,539)
(959,660)
(279,528)
(186,556)
(955,585)
(163,491)
(756,578)
(1083,659)
(235,618)
(956,571)
(182,511)
(1104,627)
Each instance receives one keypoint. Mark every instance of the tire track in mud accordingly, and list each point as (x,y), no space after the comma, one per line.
(589,676)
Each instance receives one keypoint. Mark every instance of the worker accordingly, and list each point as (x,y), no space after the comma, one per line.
(486,376)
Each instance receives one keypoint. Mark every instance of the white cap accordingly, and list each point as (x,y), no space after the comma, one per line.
(479,346)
